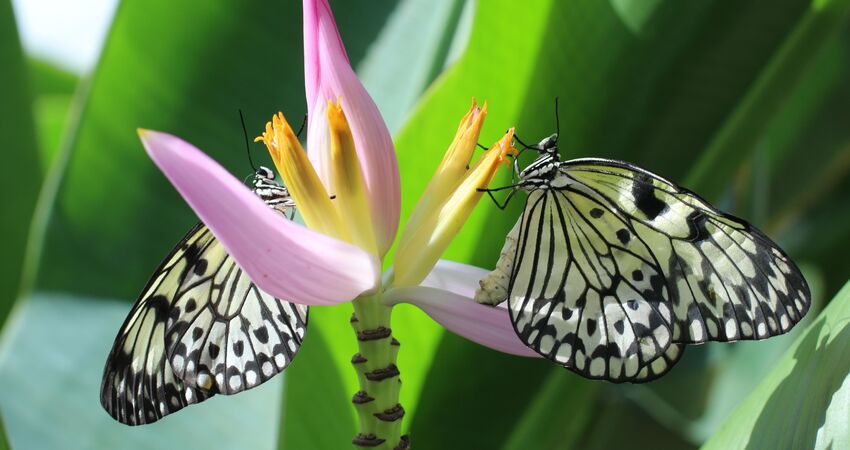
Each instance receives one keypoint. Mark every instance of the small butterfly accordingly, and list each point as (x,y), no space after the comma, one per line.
(200,327)
(612,269)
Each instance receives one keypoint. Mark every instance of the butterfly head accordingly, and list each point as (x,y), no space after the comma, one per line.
(548,145)
(266,186)
(545,167)
(264,173)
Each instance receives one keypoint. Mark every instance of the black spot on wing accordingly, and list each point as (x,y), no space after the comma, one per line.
(262,334)
(200,267)
(637,275)
(619,326)
(160,306)
(190,255)
(645,198)
(696,226)
(591,327)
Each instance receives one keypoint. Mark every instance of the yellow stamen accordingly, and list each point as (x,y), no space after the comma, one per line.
(310,196)
(347,181)
(451,170)
(416,258)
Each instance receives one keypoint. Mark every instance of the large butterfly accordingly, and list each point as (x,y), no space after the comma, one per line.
(200,327)
(612,269)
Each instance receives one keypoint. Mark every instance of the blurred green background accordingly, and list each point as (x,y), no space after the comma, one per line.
(747,103)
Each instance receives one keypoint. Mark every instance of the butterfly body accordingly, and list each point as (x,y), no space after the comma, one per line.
(200,327)
(273,193)
(612,269)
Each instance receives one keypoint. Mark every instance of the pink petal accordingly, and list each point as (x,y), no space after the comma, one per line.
(489,326)
(312,71)
(329,75)
(459,278)
(283,258)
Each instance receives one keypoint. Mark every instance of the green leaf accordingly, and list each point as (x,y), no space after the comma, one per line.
(802,403)
(49,79)
(4,440)
(396,71)
(53,89)
(809,166)
(51,364)
(20,176)
(549,422)
(739,135)
(472,396)
(317,412)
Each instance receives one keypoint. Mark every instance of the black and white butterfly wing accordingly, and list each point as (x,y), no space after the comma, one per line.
(615,269)
(661,365)
(582,296)
(226,335)
(726,280)
(200,327)
(139,385)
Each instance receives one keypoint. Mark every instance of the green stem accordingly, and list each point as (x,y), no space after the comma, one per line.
(377,403)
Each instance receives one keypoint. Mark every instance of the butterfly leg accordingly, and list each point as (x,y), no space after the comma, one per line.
(504,204)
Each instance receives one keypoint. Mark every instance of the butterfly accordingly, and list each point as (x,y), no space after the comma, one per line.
(200,327)
(612,270)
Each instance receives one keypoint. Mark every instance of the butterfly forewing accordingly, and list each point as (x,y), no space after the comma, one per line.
(727,280)
(200,327)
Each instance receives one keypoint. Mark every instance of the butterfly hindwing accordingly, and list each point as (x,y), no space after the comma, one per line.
(225,334)
(139,385)
(575,296)
(661,365)
(727,281)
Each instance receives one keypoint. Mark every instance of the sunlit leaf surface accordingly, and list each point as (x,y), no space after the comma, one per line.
(803,402)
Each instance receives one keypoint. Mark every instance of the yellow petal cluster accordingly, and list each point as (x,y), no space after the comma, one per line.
(442,215)
(311,198)
(347,186)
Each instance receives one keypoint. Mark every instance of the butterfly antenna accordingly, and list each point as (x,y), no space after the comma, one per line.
(247,145)
(301,128)
(523,144)
(557,121)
